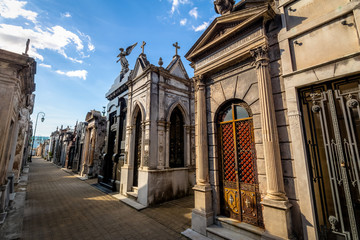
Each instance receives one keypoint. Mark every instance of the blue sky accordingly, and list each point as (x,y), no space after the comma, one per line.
(75,44)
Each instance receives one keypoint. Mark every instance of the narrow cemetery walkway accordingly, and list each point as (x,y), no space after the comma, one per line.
(61,206)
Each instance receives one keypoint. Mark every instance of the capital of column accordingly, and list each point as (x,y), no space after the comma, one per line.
(199,82)
(261,56)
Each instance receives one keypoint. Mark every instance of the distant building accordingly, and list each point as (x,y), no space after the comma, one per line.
(150,133)
(16,104)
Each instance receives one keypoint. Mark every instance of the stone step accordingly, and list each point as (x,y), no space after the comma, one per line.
(132,195)
(219,233)
(134,189)
(241,228)
(129,201)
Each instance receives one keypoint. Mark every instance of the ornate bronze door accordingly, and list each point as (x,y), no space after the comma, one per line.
(240,190)
(331,114)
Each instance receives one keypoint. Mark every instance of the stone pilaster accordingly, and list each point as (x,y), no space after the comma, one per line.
(276,206)
(202,160)
(202,214)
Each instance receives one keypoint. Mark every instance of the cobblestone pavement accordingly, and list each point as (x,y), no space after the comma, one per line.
(61,206)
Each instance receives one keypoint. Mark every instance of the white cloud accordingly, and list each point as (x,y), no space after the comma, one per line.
(78,73)
(201,27)
(67,15)
(56,38)
(91,47)
(183,22)
(194,13)
(176,3)
(45,65)
(13,9)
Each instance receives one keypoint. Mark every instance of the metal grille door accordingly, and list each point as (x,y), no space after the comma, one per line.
(331,117)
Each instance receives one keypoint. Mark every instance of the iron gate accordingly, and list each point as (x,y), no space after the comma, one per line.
(331,114)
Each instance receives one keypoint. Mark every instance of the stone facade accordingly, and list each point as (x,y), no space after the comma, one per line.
(320,57)
(115,134)
(157,165)
(93,151)
(79,140)
(275,64)
(17,102)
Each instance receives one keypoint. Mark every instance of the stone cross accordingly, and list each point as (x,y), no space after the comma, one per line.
(143,47)
(176,48)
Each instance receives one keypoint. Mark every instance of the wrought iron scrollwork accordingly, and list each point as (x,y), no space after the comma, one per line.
(351,102)
(333,222)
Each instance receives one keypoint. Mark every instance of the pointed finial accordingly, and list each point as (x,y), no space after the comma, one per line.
(176,45)
(160,62)
(143,46)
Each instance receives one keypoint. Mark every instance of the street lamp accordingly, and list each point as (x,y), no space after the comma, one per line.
(32,145)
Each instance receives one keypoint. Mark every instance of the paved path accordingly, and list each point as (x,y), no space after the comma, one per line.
(60,206)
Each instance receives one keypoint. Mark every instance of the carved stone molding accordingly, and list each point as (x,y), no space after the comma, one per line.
(261,56)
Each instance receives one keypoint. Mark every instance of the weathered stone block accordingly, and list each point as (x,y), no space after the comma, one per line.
(260,163)
(279,101)
(289,185)
(257,121)
(277,84)
(255,107)
(281,118)
(259,151)
(245,80)
(215,91)
(252,94)
(287,166)
(286,151)
(262,184)
(284,134)
(258,135)
(229,87)
(275,68)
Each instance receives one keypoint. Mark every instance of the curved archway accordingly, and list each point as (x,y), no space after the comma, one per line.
(182,108)
(137,107)
(239,188)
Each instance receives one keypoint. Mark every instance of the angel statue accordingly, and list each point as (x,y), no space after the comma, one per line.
(122,59)
(223,6)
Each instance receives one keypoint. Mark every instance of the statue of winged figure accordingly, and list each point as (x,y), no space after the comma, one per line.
(122,59)
(223,6)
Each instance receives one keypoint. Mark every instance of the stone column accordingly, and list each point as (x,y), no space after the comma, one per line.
(276,206)
(202,214)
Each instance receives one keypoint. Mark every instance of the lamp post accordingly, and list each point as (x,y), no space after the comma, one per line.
(32,145)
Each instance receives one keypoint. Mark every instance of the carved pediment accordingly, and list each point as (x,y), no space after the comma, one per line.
(226,26)
(176,68)
(220,30)
(140,65)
